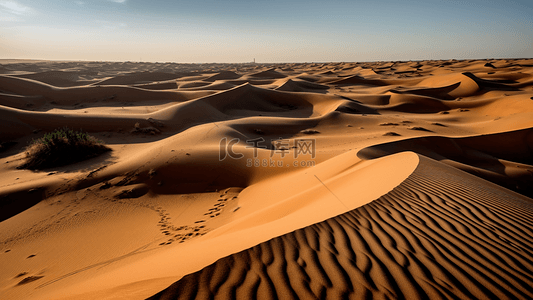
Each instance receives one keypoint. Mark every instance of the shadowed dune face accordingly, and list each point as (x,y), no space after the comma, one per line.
(270,171)
(496,157)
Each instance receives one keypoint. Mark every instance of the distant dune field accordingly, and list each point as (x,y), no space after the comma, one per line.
(385,180)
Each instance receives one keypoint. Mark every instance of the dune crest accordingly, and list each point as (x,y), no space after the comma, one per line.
(416,242)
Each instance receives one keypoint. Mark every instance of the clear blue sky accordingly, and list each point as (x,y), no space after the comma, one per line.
(268,30)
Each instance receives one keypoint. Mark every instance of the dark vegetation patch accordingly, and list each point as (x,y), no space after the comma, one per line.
(62,147)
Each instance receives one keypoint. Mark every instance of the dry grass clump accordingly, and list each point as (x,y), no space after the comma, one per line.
(61,147)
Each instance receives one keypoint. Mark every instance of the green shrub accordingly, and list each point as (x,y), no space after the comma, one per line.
(61,147)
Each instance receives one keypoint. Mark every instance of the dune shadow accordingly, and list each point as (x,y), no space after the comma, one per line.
(482,155)
(91,164)
(16,202)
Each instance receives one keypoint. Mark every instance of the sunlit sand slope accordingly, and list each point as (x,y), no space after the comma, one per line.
(441,234)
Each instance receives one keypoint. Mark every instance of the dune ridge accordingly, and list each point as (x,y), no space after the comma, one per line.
(434,236)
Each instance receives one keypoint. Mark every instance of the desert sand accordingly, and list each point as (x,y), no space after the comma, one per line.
(386,180)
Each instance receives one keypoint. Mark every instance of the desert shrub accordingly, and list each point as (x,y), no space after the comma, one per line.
(61,147)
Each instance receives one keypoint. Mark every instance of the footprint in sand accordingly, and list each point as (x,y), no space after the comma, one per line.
(183,233)
(419,129)
(391,133)
(21,274)
(29,279)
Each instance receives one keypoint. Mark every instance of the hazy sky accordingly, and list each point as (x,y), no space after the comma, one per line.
(267,30)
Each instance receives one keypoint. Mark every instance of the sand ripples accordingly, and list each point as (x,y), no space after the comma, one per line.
(438,235)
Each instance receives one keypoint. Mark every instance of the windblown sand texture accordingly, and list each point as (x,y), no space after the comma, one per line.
(419,186)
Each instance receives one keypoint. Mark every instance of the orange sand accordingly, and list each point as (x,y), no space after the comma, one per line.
(357,185)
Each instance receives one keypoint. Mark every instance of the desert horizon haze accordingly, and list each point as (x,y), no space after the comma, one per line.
(270,31)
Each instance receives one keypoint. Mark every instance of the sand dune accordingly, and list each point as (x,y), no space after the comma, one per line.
(291,85)
(224,75)
(440,234)
(390,180)
(270,74)
(56,78)
(502,158)
(136,78)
